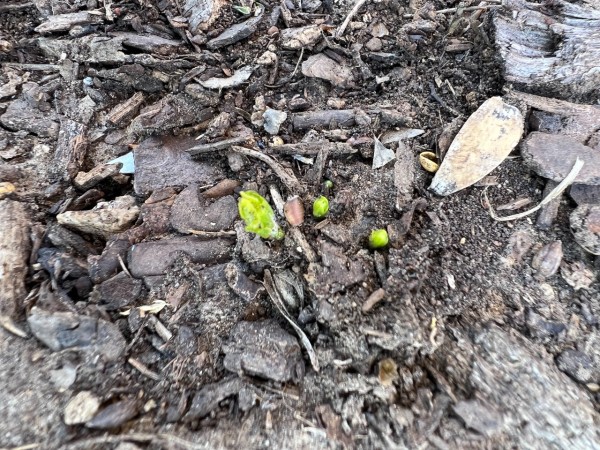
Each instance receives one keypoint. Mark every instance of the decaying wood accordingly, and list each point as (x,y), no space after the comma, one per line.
(313,148)
(64,22)
(125,110)
(327,119)
(87,180)
(289,179)
(527,35)
(151,44)
(14,256)
(580,122)
(70,151)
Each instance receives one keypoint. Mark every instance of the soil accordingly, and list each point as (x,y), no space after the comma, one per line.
(469,347)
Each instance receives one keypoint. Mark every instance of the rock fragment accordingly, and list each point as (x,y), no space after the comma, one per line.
(209,397)
(273,120)
(240,76)
(119,291)
(547,260)
(303,37)
(81,408)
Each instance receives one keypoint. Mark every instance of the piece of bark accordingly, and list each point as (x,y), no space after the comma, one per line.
(87,180)
(313,148)
(20,115)
(549,211)
(298,38)
(70,151)
(208,398)
(202,13)
(527,35)
(172,111)
(150,44)
(324,119)
(154,258)
(14,257)
(323,67)
(580,122)
(235,33)
(404,175)
(552,156)
(123,111)
(163,162)
(64,22)
(66,239)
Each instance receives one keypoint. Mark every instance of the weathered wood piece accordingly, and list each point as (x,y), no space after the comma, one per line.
(70,151)
(14,255)
(327,118)
(235,33)
(580,122)
(151,44)
(87,180)
(202,13)
(313,148)
(125,110)
(528,37)
(218,145)
(64,22)
(552,156)
(404,175)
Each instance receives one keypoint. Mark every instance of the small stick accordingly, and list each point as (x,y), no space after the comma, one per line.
(453,10)
(124,267)
(143,369)
(290,180)
(373,299)
(557,191)
(8,324)
(297,64)
(219,145)
(351,14)
(212,234)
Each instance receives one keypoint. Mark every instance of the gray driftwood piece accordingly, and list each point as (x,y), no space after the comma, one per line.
(14,257)
(551,46)
(313,148)
(64,22)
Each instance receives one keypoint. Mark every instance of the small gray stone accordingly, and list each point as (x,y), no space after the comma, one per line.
(20,115)
(61,330)
(64,377)
(239,282)
(481,418)
(273,120)
(109,342)
(265,350)
(154,258)
(163,162)
(81,408)
(193,212)
(374,44)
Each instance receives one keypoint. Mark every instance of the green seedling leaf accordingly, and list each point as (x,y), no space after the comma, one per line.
(245,10)
(378,239)
(320,207)
(258,216)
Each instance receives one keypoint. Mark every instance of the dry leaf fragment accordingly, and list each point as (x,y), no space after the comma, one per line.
(484,141)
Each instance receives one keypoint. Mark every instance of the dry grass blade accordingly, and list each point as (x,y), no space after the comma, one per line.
(276,299)
(556,192)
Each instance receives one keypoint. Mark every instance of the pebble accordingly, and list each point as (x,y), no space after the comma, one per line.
(273,120)
(81,408)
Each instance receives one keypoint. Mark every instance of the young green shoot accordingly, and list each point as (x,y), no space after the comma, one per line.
(378,239)
(320,207)
(258,215)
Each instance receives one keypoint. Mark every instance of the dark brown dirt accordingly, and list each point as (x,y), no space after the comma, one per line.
(458,312)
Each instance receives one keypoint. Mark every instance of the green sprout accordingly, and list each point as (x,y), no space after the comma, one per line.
(378,239)
(328,184)
(258,215)
(320,207)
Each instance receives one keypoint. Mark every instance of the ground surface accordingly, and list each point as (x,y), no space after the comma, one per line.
(468,348)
